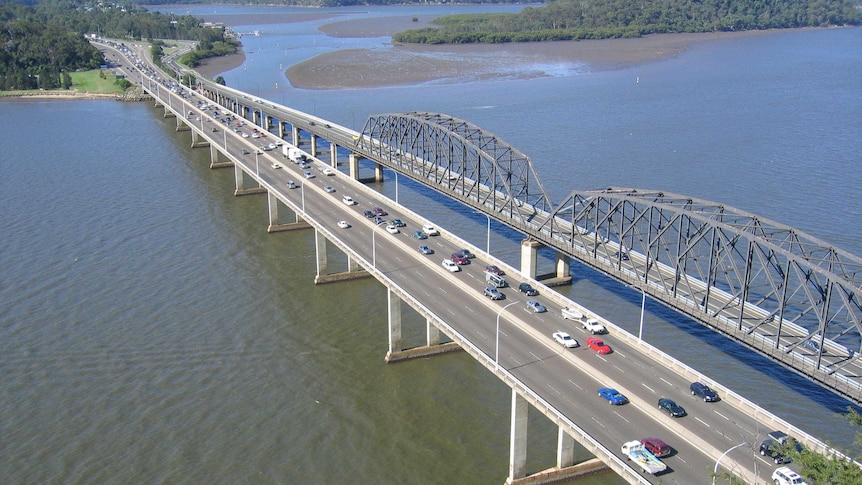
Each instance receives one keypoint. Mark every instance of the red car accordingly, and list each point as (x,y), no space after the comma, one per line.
(460,259)
(598,345)
(657,447)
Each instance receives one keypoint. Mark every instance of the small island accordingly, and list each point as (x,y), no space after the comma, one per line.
(579,20)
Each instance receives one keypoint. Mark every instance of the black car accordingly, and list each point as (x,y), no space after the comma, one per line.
(703,391)
(467,254)
(527,289)
(771,448)
(368,214)
(671,407)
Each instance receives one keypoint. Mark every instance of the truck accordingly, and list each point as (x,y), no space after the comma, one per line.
(294,154)
(635,451)
(587,323)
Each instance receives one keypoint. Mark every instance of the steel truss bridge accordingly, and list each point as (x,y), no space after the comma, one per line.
(782,292)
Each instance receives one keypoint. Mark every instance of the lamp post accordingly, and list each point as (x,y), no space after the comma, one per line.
(396,186)
(497,345)
(488,237)
(257,163)
(715,470)
(643,304)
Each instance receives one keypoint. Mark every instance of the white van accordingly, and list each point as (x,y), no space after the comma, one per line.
(496,280)
(430,230)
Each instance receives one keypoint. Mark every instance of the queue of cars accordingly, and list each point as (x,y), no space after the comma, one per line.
(770,448)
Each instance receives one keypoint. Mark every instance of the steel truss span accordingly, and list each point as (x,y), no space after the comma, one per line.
(782,292)
(457,158)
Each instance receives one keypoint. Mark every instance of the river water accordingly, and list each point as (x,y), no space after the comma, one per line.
(153,332)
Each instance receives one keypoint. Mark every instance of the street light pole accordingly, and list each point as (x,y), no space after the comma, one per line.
(257,163)
(497,345)
(715,470)
(488,237)
(643,304)
(396,186)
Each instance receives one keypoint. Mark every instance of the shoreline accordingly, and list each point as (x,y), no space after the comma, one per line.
(416,64)
(412,64)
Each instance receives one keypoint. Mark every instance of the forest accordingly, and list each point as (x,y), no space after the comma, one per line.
(44,40)
(600,19)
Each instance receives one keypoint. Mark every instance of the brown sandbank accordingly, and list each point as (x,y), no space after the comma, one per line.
(406,64)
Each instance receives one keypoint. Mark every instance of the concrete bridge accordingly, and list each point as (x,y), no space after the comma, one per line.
(639,237)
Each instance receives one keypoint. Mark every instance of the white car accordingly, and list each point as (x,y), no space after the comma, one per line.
(451,266)
(309,175)
(328,172)
(786,476)
(392,229)
(430,230)
(275,165)
(347,200)
(329,189)
(565,340)
(343,224)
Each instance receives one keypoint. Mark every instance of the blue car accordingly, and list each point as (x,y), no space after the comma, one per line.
(612,395)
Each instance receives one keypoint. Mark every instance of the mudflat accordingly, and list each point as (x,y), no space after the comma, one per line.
(408,64)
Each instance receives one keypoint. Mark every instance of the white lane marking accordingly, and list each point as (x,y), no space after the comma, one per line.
(621,417)
(598,422)
(619,368)
(600,356)
(469,309)
(575,384)
(648,387)
(554,389)
(703,422)
(666,381)
(723,416)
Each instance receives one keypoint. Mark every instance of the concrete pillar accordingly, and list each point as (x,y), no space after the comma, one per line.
(352,264)
(565,449)
(432,334)
(255,117)
(333,155)
(353,166)
(273,209)
(281,129)
(313,149)
(266,121)
(529,253)
(181,124)
(239,179)
(320,249)
(198,141)
(295,135)
(378,172)
(395,342)
(562,265)
(518,438)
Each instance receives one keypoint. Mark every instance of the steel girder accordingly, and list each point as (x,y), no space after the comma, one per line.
(456,158)
(766,277)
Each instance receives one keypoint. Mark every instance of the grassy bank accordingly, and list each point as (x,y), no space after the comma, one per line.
(85,83)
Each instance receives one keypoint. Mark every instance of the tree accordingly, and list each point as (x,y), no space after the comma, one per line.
(834,468)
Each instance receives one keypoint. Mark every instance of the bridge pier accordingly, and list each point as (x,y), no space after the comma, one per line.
(397,352)
(378,172)
(313,149)
(218,159)
(198,141)
(322,277)
(529,255)
(333,155)
(294,133)
(353,166)
(182,125)
(241,189)
(275,225)
(518,438)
